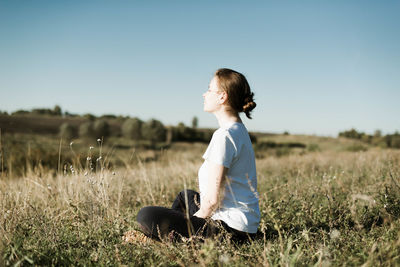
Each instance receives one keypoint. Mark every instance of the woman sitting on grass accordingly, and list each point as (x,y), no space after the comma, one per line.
(229,167)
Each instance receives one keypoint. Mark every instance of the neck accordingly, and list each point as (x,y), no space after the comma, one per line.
(224,116)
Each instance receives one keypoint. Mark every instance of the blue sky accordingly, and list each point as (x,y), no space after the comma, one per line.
(316,67)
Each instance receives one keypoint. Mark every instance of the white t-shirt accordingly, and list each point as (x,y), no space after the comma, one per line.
(231,147)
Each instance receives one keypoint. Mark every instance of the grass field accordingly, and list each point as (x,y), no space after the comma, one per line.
(332,203)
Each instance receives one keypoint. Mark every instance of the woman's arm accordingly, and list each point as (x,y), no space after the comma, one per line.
(216,176)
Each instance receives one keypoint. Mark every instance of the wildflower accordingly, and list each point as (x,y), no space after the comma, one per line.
(6,214)
(91,147)
(86,174)
(70,144)
(88,158)
(99,158)
(304,233)
(335,234)
(224,258)
(98,140)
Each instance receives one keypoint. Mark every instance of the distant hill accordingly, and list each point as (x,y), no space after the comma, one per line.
(41,124)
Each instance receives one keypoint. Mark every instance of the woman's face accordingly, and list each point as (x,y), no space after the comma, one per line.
(212,97)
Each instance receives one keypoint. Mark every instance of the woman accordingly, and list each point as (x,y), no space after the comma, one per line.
(227,179)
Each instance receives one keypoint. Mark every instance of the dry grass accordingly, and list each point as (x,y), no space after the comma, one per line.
(318,208)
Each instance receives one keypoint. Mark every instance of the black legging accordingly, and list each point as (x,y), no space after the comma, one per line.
(165,222)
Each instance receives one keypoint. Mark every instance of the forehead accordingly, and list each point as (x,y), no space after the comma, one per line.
(213,83)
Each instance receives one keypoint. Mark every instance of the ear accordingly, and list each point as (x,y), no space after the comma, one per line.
(223,97)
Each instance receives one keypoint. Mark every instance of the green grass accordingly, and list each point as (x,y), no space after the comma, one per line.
(325,206)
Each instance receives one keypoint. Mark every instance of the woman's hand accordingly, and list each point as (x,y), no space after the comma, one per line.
(216,176)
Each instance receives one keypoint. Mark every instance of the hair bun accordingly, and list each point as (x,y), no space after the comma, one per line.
(249,106)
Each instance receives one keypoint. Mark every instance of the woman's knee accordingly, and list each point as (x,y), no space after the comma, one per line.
(152,216)
(188,193)
(145,218)
(159,221)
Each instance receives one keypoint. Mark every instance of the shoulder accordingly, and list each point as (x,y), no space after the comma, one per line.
(237,132)
(237,129)
(221,133)
(221,138)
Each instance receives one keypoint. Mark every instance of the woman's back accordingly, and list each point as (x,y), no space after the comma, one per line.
(231,147)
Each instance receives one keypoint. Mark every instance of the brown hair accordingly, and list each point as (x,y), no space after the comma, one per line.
(240,97)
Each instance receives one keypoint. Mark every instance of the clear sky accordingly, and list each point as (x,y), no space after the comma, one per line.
(316,67)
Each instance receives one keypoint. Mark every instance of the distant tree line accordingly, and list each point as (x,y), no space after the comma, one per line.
(389,140)
(56,111)
(72,126)
(135,129)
